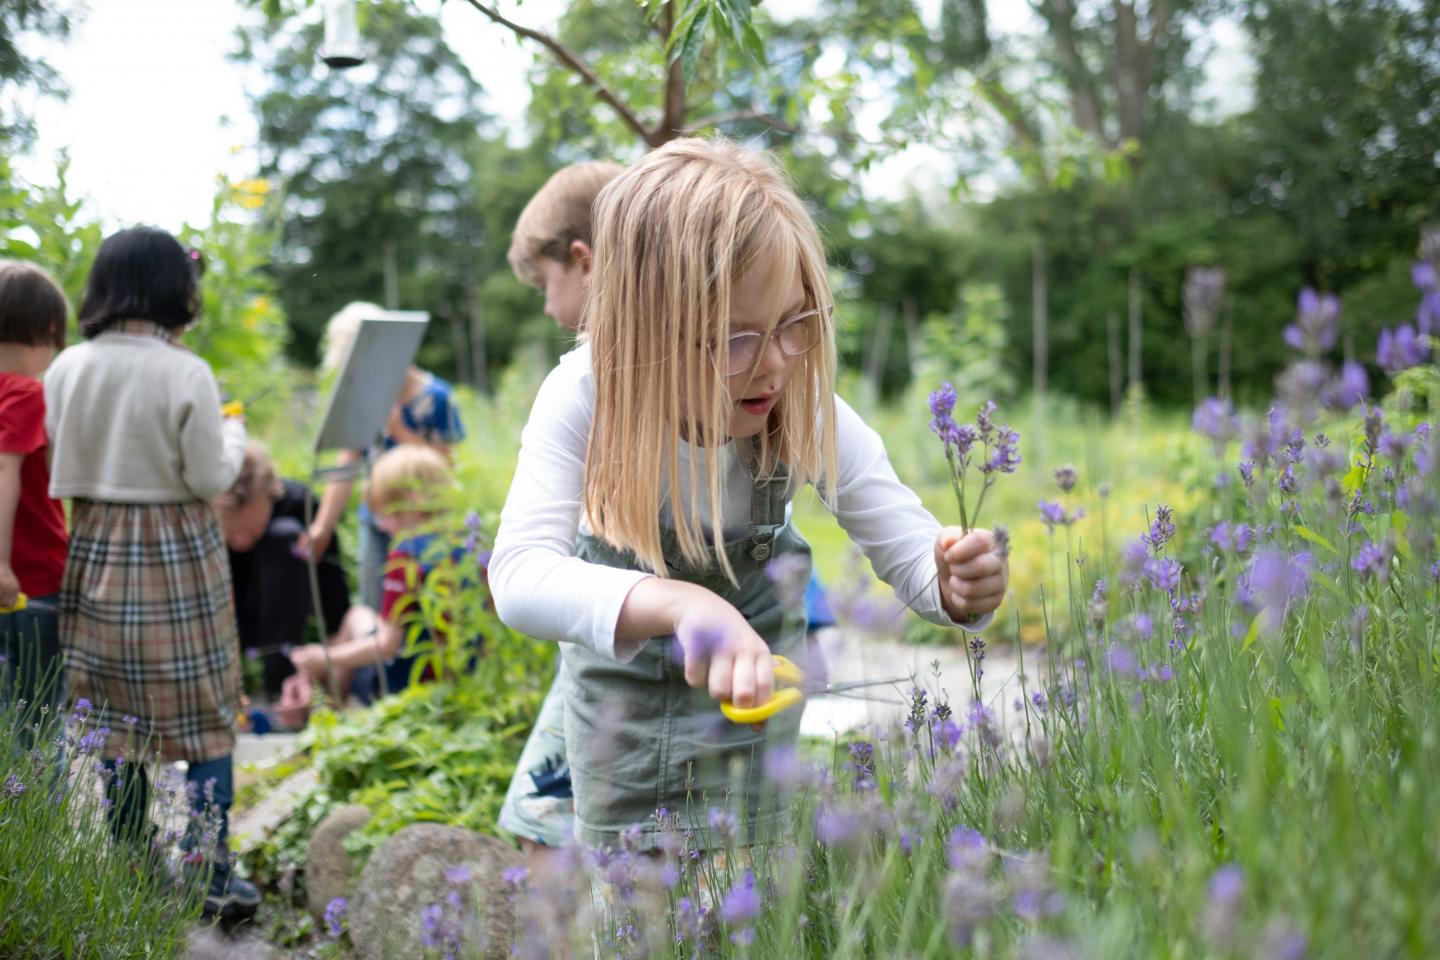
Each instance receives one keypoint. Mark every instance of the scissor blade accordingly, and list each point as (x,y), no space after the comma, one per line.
(860,684)
(868,697)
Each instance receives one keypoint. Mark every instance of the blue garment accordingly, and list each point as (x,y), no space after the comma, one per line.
(432,415)
(818,614)
(410,564)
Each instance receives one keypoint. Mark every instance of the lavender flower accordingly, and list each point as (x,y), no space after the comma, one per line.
(515,877)
(335,912)
(1002,541)
(1400,349)
(1005,456)
(13,788)
(1227,885)
(1053,515)
(791,575)
(1162,528)
(742,903)
(835,825)
(1275,582)
(1370,560)
(1065,478)
(1164,573)
(1215,419)
(1348,389)
(1316,322)
(1283,941)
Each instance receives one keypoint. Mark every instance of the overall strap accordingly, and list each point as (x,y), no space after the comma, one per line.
(767,504)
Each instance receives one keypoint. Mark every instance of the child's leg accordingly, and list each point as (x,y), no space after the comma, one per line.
(210,801)
(227,895)
(127,791)
(539,807)
(33,669)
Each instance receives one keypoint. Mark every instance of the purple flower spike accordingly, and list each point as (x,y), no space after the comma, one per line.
(13,788)
(1316,321)
(1401,349)
(1215,419)
(1065,478)
(742,903)
(335,916)
(942,402)
(1005,456)
(1348,389)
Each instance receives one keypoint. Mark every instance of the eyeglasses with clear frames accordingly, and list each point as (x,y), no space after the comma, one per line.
(796,335)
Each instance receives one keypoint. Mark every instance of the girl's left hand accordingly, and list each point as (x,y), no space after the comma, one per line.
(973,576)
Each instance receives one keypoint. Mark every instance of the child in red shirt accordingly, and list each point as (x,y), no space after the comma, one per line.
(33,313)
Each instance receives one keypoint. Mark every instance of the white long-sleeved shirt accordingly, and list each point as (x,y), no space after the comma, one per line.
(135,419)
(542,589)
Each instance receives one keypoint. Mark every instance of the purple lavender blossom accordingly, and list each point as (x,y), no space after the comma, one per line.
(1370,560)
(1215,419)
(1162,528)
(335,912)
(1164,573)
(791,575)
(1053,515)
(1227,886)
(1276,582)
(1143,626)
(1065,478)
(1348,389)
(1005,454)
(1200,298)
(13,788)
(1316,322)
(1002,540)
(93,741)
(782,764)
(837,825)
(1247,471)
(742,903)
(942,402)
(967,850)
(515,876)
(1401,349)
(1120,660)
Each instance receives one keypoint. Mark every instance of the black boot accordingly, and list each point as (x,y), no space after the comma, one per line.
(227,896)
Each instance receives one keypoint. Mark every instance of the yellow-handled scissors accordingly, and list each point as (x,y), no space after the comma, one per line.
(21,602)
(791,689)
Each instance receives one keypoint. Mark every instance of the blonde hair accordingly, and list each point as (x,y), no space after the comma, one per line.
(674,234)
(257,477)
(340,331)
(414,474)
(558,215)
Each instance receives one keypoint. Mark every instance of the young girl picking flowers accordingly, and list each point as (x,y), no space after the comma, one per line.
(654,484)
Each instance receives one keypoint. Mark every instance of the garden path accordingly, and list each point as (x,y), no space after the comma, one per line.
(853,658)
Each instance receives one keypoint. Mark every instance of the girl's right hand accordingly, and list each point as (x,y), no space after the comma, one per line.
(724,653)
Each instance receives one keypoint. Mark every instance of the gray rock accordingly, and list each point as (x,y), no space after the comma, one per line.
(417,867)
(212,943)
(329,870)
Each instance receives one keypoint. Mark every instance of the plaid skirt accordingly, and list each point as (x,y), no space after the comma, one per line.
(148,625)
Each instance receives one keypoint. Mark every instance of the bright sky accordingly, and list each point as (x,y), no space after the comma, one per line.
(156,112)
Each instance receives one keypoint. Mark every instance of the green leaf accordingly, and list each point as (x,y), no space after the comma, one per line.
(1252,633)
(1306,533)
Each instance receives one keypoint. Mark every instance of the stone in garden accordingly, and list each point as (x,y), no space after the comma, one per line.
(416,868)
(329,869)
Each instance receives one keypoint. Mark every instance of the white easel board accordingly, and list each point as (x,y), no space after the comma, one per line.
(370,379)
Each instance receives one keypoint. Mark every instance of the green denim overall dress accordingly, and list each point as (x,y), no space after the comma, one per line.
(641,740)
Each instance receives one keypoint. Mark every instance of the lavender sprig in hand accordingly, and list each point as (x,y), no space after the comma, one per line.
(999,449)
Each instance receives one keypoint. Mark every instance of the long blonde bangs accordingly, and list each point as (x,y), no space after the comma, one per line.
(674,234)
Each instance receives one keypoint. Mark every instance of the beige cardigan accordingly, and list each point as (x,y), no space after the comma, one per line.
(133,418)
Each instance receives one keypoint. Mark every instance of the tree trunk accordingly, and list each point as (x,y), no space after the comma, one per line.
(1135,381)
(391,266)
(1039,317)
(1117,362)
(1131,81)
(1223,373)
(478,360)
(460,346)
(910,310)
(879,348)
(1084,105)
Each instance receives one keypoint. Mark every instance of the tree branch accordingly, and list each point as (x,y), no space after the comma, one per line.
(1084,104)
(738,116)
(576,65)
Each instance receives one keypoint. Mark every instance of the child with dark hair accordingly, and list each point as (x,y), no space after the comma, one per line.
(33,312)
(141,448)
